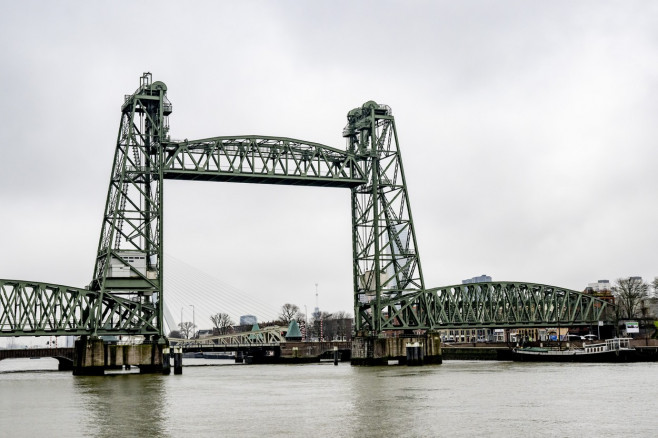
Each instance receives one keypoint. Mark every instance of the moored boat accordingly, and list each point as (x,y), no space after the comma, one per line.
(612,350)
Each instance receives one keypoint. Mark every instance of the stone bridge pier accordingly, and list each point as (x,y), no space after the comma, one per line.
(93,356)
(370,350)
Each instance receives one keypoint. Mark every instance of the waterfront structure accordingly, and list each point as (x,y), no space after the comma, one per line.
(125,295)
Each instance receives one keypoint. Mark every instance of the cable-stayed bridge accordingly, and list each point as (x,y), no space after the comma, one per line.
(193,295)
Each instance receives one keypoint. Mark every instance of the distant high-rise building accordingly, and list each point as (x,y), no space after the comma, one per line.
(599,286)
(248,320)
(481,279)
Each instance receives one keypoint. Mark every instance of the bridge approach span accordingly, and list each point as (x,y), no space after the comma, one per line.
(64,356)
(492,304)
(266,337)
(41,309)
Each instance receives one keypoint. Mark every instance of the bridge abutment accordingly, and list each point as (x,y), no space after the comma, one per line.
(93,356)
(64,364)
(373,351)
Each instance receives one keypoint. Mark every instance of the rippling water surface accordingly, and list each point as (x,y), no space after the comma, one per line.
(456,399)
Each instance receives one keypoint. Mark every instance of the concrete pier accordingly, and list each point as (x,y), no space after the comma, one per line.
(371,351)
(93,356)
(302,352)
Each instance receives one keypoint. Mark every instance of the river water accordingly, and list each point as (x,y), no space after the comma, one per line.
(455,399)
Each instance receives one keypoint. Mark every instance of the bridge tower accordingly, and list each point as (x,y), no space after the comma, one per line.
(386,262)
(129,257)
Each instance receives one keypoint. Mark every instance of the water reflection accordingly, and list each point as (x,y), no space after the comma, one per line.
(456,399)
(121,405)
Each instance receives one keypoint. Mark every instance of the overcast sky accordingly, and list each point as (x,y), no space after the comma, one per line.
(527,129)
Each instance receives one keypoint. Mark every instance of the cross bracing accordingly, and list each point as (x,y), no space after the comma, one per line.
(258,159)
(41,309)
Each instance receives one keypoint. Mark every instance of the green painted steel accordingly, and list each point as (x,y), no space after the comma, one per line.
(386,264)
(495,304)
(125,295)
(266,160)
(40,309)
(129,257)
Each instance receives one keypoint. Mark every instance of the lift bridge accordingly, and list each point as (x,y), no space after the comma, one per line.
(125,295)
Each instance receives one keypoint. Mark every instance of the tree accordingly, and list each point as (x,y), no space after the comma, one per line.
(629,294)
(300,317)
(341,314)
(288,313)
(187,329)
(334,325)
(222,322)
(175,334)
(655,287)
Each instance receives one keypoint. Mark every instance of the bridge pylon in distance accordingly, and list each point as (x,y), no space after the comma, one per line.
(129,257)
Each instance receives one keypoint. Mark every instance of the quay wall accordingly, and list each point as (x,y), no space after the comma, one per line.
(373,351)
(476,353)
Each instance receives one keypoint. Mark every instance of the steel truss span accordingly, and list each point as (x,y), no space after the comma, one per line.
(495,304)
(266,160)
(40,309)
(266,337)
(125,295)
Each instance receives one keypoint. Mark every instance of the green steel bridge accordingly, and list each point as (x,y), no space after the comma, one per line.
(125,295)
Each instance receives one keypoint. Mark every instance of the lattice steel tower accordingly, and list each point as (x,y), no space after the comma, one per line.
(129,257)
(386,261)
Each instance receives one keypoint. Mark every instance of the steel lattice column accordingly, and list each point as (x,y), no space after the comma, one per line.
(129,258)
(386,261)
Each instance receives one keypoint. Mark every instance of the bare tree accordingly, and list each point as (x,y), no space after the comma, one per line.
(288,313)
(655,287)
(187,329)
(341,314)
(630,293)
(222,322)
(317,328)
(331,325)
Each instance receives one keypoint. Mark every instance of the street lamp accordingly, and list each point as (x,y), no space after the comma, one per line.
(193,320)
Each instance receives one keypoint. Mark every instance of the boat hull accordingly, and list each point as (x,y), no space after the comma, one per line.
(574,356)
(569,356)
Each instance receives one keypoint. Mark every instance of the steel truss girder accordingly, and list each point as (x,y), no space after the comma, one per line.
(259,159)
(41,309)
(495,304)
(271,336)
